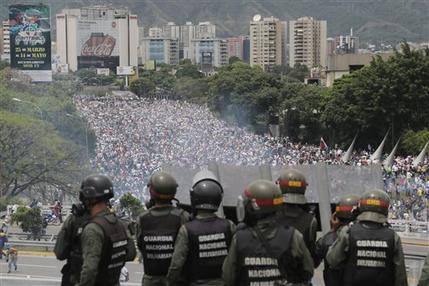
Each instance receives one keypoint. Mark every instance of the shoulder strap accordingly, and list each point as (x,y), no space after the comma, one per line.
(269,250)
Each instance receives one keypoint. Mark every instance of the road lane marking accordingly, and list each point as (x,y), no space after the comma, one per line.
(36,265)
(52,279)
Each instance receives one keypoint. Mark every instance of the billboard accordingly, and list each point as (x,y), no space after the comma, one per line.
(98,44)
(125,70)
(30,40)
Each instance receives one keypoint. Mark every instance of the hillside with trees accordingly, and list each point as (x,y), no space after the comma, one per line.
(373,21)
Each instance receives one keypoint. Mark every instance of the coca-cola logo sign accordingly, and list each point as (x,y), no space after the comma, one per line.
(99,45)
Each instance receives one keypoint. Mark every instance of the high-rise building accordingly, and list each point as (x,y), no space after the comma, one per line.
(155,32)
(267,42)
(141,34)
(307,42)
(236,46)
(160,50)
(97,36)
(205,30)
(171,31)
(5,41)
(187,34)
(209,53)
(1,41)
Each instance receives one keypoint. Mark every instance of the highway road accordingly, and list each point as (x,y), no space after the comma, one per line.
(45,270)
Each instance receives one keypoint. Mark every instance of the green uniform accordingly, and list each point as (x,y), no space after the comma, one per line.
(92,246)
(304,222)
(424,279)
(268,227)
(338,253)
(181,250)
(67,246)
(149,280)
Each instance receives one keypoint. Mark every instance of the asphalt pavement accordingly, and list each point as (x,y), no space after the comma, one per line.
(44,270)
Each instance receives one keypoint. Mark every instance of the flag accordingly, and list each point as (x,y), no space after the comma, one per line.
(420,158)
(376,156)
(323,145)
(348,155)
(388,163)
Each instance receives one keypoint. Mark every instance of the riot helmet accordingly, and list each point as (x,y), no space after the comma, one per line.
(206,192)
(293,185)
(346,208)
(375,201)
(96,187)
(162,186)
(261,198)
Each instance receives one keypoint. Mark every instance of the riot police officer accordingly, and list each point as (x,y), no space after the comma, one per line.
(265,252)
(293,213)
(345,212)
(67,246)
(370,251)
(106,242)
(204,240)
(157,229)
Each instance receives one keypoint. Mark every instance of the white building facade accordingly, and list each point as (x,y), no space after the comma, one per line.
(97,37)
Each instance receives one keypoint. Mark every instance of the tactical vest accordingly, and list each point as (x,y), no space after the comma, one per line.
(301,222)
(332,277)
(209,241)
(75,258)
(114,253)
(258,265)
(370,257)
(158,235)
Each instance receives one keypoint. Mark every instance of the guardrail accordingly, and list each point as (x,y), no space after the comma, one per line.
(27,236)
(47,245)
(408,226)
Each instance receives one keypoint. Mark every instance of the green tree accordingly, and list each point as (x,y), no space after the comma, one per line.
(301,109)
(33,155)
(90,77)
(3,65)
(234,59)
(387,94)
(187,69)
(131,205)
(291,74)
(244,94)
(143,87)
(5,201)
(193,89)
(413,142)
(29,219)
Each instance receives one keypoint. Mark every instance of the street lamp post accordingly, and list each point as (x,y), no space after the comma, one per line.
(37,107)
(31,103)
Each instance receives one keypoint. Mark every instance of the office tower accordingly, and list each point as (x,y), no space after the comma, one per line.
(160,50)
(155,32)
(187,34)
(97,36)
(209,53)
(171,31)
(205,30)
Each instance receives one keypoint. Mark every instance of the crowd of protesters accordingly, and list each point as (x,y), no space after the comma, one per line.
(136,136)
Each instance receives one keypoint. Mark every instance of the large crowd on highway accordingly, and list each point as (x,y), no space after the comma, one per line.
(136,136)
